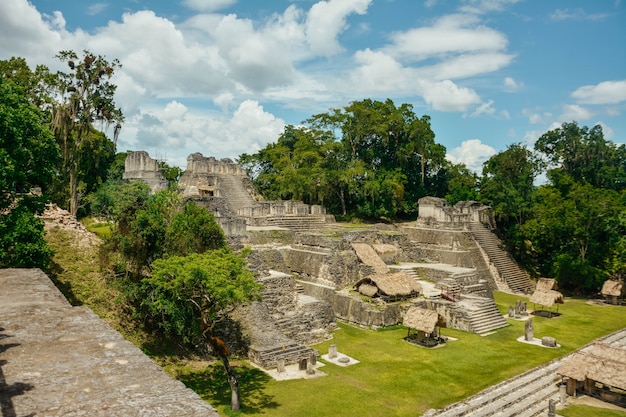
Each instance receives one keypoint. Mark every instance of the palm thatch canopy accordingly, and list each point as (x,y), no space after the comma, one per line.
(423,320)
(612,287)
(546,284)
(603,363)
(368,256)
(397,285)
(546,298)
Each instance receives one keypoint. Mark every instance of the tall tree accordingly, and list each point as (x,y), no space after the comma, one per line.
(85,96)
(27,157)
(189,296)
(507,184)
(585,155)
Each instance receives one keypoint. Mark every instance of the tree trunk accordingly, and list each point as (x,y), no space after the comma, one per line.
(233,381)
(73,188)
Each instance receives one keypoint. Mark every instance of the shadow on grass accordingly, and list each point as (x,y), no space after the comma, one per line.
(211,384)
(54,272)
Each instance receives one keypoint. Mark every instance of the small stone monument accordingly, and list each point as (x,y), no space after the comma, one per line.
(310,369)
(518,306)
(332,351)
(280,366)
(303,365)
(548,341)
(563,390)
(524,312)
(551,408)
(529,331)
(313,359)
(511,312)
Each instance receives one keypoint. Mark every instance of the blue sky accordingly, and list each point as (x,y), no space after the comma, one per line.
(223,77)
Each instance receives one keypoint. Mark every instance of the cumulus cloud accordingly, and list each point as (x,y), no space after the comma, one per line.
(447,96)
(327,19)
(472,153)
(179,131)
(574,112)
(449,34)
(484,108)
(606,92)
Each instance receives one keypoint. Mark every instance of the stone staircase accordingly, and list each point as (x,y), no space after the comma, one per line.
(525,395)
(484,315)
(298,223)
(291,353)
(231,187)
(516,278)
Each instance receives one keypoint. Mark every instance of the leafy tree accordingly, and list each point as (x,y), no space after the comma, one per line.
(36,84)
(507,184)
(193,230)
(27,156)
(574,234)
(585,155)
(188,296)
(85,96)
(369,159)
(457,183)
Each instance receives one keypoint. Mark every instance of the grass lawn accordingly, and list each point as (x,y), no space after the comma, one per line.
(396,378)
(587,411)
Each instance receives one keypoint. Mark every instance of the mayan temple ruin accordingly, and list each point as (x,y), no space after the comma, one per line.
(315,271)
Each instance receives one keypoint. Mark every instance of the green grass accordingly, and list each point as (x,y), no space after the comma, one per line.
(396,378)
(99,228)
(587,411)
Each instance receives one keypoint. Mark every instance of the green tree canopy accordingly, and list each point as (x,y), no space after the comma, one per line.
(188,296)
(84,97)
(369,159)
(27,157)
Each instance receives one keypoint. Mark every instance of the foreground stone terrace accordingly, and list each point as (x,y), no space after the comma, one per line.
(59,360)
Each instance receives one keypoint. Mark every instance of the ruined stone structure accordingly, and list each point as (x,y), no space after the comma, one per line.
(139,166)
(61,360)
(314,272)
(224,188)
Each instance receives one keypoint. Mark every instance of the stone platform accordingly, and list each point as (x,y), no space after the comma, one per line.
(60,360)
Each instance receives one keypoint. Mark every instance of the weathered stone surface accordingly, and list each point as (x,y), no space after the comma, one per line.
(59,360)
(548,341)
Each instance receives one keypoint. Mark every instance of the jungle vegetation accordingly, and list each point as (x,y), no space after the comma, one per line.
(370,160)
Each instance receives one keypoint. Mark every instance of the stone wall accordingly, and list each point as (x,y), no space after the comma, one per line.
(139,166)
(433,209)
(354,310)
(199,164)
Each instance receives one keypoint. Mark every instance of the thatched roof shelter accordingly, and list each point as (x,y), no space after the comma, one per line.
(612,287)
(423,320)
(547,298)
(603,363)
(546,284)
(397,285)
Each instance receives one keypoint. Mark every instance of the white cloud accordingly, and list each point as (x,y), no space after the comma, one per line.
(208,5)
(472,153)
(510,85)
(483,6)
(449,34)
(96,8)
(576,14)
(181,131)
(536,116)
(608,132)
(606,92)
(326,20)
(574,112)
(447,96)
(484,108)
